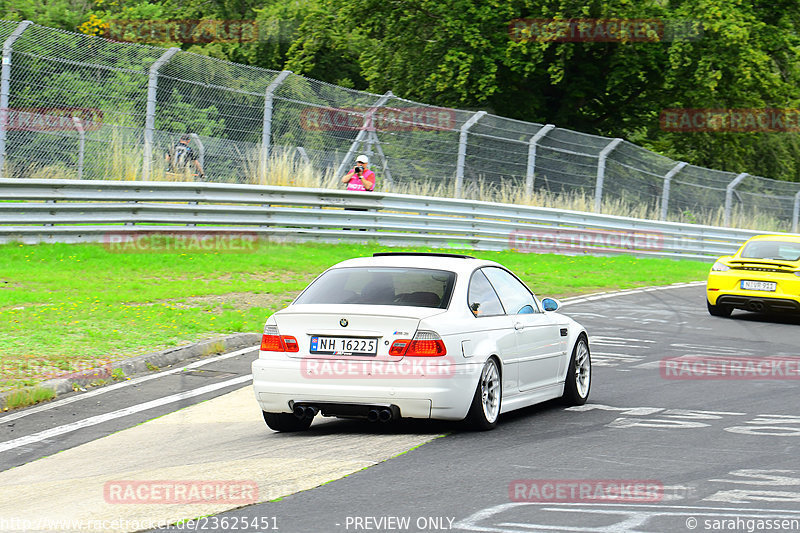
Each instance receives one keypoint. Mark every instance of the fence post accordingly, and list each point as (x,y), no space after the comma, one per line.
(532,157)
(796,212)
(303,155)
(150,116)
(729,197)
(462,151)
(81,144)
(266,127)
(362,133)
(5,86)
(387,174)
(601,173)
(665,194)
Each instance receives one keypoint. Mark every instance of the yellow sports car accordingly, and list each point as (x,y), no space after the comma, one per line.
(763,276)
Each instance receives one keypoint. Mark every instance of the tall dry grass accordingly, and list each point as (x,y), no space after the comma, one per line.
(285,170)
(123,161)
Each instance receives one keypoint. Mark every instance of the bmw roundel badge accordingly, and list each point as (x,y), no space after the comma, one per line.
(343,322)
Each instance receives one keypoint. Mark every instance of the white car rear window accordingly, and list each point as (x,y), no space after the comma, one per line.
(415,287)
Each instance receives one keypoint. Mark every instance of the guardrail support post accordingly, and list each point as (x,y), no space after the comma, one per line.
(462,151)
(81,144)
(5,85)
(796,212)
(150,116)
(529,173)
(362,133)
(729,197)
(665,194)
(601,173)
(266,127)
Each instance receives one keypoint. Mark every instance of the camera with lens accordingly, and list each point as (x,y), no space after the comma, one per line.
(358,169)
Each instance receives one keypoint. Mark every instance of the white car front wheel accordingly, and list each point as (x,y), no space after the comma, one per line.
(579,374)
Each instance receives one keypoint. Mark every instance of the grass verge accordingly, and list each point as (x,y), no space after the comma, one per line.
(66,308)
(30,396)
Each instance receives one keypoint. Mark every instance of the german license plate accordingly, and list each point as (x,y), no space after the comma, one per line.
(759,285)
(344,346)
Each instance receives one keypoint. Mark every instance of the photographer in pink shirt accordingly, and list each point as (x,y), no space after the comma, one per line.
(360,177)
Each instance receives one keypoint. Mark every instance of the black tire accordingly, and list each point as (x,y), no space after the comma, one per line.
(719,310)
(487,400)
(286,422)
(578,382)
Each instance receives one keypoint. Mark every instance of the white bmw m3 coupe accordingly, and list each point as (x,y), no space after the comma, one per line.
(417,335)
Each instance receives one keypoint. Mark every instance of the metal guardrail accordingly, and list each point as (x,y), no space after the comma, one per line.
(84,107)
(33,211)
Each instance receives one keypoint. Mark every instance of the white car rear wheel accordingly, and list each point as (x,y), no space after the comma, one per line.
(485,408)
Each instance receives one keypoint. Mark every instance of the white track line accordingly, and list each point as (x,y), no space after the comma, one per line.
(99,419)
(626,292)
(128,383)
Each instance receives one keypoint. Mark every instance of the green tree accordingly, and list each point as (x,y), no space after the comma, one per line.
(62,14)
(461,54)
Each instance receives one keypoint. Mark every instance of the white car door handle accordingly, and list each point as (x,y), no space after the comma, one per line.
(518,325)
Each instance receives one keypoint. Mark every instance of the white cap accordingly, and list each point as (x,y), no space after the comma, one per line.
(362,159)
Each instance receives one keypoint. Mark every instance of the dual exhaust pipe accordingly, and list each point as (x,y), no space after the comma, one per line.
(373,414)
(379,415)
(303,412)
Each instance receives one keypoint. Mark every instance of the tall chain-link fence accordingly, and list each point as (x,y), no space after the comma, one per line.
(84,107)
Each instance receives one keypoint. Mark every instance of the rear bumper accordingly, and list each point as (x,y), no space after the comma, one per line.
(725,288)
(446,395)
(759,303)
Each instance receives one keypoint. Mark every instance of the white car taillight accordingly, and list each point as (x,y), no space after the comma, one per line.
(273,341)
(424,344)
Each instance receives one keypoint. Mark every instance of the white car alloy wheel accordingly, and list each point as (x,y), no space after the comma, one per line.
(485,409)
(583,368)
(490,391)
(579,374)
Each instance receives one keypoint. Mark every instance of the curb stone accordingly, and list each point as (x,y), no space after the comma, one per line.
(146,362)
